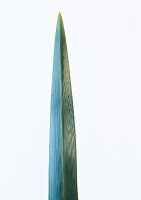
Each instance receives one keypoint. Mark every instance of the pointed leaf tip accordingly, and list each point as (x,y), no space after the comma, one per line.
(60,20)
(59,16)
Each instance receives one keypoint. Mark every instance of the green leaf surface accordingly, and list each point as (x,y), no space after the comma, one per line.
(62,158)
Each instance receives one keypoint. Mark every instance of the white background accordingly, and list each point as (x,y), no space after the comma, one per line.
(104,45)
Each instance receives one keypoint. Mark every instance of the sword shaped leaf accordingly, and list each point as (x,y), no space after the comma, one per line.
(62,153)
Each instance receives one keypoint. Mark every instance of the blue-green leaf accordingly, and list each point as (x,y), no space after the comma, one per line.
(62,158)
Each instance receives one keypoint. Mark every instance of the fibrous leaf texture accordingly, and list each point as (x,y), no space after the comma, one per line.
(62,153)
